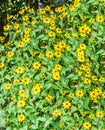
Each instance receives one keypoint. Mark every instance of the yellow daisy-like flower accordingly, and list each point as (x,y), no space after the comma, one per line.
(36,65)
(70,94)
(25,80)
(100,114)
(100,19)
(58,67)
(48,97)
(16,25)
(21,44)
(1,65)
(36,90)
(58,54)
(66,104)
(21,117)
(79,93)
(57,112)
(91,116)
(56,76)
(49,54)
(51,34)
(87,81)
(7,86)
(19,70)
(87,125)
(10,54)
(21,103)
(22,92)
(103,95)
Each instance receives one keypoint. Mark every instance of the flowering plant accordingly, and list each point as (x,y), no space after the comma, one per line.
(53,68)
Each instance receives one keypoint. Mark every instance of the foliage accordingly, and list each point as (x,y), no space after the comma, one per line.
(53,68)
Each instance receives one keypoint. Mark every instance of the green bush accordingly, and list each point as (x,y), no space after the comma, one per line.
(52,68)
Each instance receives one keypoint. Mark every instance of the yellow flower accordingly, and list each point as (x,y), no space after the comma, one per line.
(10,54)
(34,21)
(19,70)
(1,65)
(51,34)
(5,119)
(67,35)
(67,48)
(39,86)
(83,114)
(47,8)
(21,44)
(36,65)
(56,76)
(7,86)
(81,59)
(21,117)
(21,103)
(82,46)
(49,54)
(87,81)
(42,11)
(103,95)
(72,8)
(13,98)
(98,91)
(25,80)
(6,27)
(9,17)
(100,19)
(25,18)
(58,67)
(70,94)
(36,90)
(101,79)
(41,56)
(66,104)
(48,97)
(86,125)
(24,97)
(58,30)
(79,93)
(94,78)
(91,20)
(62,126)
(91,116)
(100,114)
(57,112)
(22,93)
(16,25)
(33,53)
(58,54)
(21,11)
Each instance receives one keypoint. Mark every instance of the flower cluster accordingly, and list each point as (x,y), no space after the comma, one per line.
(52,68)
